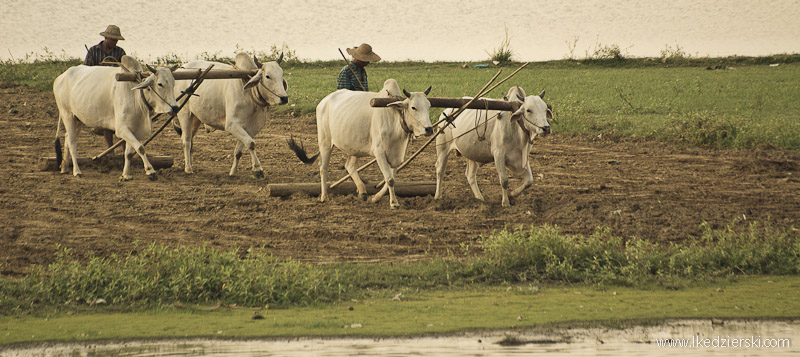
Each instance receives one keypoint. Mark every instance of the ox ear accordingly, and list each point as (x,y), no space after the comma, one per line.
(549,112)
(427,90)
(285,85)
(255,60)
(406,93)
(150,68)
(146,82)
(253,81)
(517,115)
(173,68)
(280,58)
(398,105)
(541,95)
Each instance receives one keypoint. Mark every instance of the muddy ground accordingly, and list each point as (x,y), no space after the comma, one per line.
(641,189)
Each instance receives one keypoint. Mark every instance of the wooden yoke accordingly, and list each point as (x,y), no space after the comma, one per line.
(456,103)
(195,74)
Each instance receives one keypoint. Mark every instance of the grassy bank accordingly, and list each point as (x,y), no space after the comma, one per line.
(742,102)
(156,276)
(423,312)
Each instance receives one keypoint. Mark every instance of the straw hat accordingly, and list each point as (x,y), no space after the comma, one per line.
(112,31)
(364,53)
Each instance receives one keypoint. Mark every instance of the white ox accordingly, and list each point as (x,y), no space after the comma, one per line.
(94,97)
(506,141)
(346,120)
(235,105)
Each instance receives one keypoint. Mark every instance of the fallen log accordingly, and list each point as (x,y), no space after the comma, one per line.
(194,74)
(403,189)
(158,162)
(490,104)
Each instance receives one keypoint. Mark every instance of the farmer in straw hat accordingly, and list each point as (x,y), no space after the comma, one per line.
(106,53)
(353,76)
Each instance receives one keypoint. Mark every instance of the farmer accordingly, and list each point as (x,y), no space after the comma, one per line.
(106,53)
(353,76)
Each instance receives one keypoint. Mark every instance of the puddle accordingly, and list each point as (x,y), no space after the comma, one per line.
(674,338)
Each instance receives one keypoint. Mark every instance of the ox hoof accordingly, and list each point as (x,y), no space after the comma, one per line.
(363,196)
(153,177)
(124,179)
(79,175)
(394,206)
(258,174)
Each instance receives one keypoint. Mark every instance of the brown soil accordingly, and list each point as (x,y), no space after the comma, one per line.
(641,189)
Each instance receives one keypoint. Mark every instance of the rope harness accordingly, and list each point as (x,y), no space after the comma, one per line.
(486,127)
(403,123)
(482,137)
(139,79)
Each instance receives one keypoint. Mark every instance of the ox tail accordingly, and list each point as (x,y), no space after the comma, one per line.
(300,151)
(177,126)
(59,153)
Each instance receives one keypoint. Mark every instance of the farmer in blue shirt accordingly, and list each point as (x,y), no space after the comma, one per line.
(353,76)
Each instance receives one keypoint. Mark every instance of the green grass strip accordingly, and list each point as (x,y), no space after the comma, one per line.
(425,312)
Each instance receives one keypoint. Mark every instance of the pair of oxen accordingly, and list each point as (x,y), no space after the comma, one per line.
(345,120)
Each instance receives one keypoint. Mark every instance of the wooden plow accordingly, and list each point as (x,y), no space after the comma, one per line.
(419,189)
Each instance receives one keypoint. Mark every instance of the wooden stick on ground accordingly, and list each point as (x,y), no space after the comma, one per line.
(403,189)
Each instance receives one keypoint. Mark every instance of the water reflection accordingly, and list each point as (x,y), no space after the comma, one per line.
(707,338)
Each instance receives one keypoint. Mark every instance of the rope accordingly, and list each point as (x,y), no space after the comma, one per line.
(486,119)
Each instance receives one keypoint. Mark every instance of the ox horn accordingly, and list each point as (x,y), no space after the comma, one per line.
(151,68)
(173,68)
(280,58)
(427,90)
(541,95)
(406,93)
(255,59)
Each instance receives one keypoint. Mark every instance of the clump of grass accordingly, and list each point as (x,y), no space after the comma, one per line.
(670,54)
(710,129)
(605,52)
(545,253)
(503,53)
(157,275)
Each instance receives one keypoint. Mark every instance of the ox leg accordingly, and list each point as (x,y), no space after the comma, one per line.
(239,133)
(237,154)
(472,170)
(527,180)
(352,168)
(126,173)
(324,160)
(189,125)
(441,164)
(132,143)
(502,173)
(388,176)
(71,145)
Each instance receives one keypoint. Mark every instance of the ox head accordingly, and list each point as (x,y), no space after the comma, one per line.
(160,85)
(533,114)
(269,81)
(415,112)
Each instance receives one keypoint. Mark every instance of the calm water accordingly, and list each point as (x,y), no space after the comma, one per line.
(639,341)
(408,29)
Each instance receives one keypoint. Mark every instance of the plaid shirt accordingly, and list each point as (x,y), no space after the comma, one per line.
(348,81)
(96,55)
